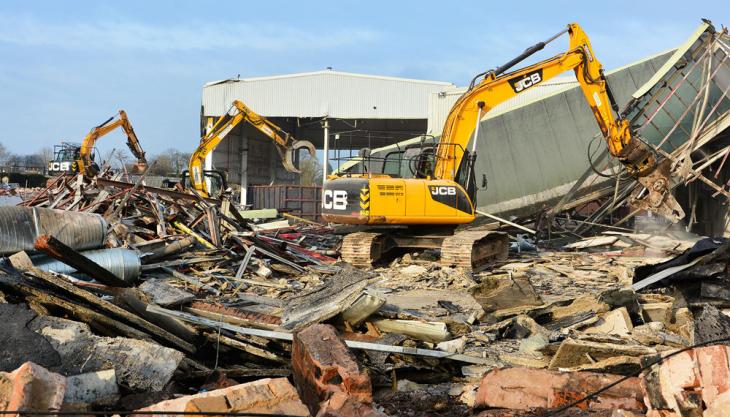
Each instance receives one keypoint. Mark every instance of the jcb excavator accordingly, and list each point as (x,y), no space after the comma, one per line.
(285,144)
(72,158)
(423,212)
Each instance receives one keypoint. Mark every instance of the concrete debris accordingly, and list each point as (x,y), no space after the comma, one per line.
(162,293)
(139,365)
(615,322)
(92,389)
(574,353)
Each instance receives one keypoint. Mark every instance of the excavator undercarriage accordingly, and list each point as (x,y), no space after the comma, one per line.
(469,249)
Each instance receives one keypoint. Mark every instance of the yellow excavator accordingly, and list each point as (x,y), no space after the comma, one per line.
(424,211)
(286,145)
(71,158)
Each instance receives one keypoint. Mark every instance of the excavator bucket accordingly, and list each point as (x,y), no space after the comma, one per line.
(139,167)
(288,154)
(657,195)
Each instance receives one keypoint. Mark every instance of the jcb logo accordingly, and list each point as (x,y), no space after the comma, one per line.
(334,199)
(443,190)
(59,166)
(520,84)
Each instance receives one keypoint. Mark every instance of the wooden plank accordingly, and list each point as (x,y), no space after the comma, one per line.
(130,297)
(268,334)
(250,349)
(163,265)
(60,251)
(258,214)
(191,280)
(226,318)
(192,233)
(112,309)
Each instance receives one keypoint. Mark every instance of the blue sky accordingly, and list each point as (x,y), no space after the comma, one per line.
(68,65)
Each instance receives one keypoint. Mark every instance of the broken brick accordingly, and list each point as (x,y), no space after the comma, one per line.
(685,383)
(31,387)
(343,405)
(524,388)
(264,396)
(719,407)
(323,365)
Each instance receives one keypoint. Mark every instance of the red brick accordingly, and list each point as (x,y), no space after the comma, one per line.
(31,387)
(714,371)
(323,365)
(524,388)
(695,378)
(265,396)
(343,405)
(720,407)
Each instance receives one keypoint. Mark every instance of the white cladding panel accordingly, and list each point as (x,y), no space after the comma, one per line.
(325,93)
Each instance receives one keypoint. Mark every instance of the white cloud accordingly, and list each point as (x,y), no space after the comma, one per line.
(109,35)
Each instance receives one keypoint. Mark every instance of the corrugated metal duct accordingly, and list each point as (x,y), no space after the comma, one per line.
(124,263)
(20,226)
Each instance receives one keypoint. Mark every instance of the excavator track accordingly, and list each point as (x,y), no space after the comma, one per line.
(473,249)
(361,249)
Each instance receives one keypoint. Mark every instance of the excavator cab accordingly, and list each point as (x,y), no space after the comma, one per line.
(65,157)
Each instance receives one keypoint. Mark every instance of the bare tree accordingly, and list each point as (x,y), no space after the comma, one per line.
(178,159)
(163,166)
(4,154)
(311,171)
(45,154)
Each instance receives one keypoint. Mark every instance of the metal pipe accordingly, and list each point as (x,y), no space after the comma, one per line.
(21,226)
(124,263)
(529,51)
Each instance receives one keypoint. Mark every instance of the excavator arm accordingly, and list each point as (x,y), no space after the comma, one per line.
(285,144)
(497,86)
(85,163)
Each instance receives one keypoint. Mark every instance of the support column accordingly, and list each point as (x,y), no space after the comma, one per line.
(326,150)
(244,166)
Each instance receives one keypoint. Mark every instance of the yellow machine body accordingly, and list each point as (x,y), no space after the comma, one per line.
(377,200)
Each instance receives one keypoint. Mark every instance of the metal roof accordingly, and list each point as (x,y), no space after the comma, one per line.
(328,93)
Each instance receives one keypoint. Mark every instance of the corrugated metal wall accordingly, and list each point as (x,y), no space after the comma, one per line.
(325,93)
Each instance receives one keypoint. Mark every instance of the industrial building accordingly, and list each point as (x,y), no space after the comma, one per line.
(323,104)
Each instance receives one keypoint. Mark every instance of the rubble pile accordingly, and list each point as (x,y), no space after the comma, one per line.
(117,296)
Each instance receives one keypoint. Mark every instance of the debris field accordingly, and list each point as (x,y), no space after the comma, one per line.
(117,296)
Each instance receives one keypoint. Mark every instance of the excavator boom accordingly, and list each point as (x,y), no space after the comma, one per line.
(285,144)
(85,163)
(498,86)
